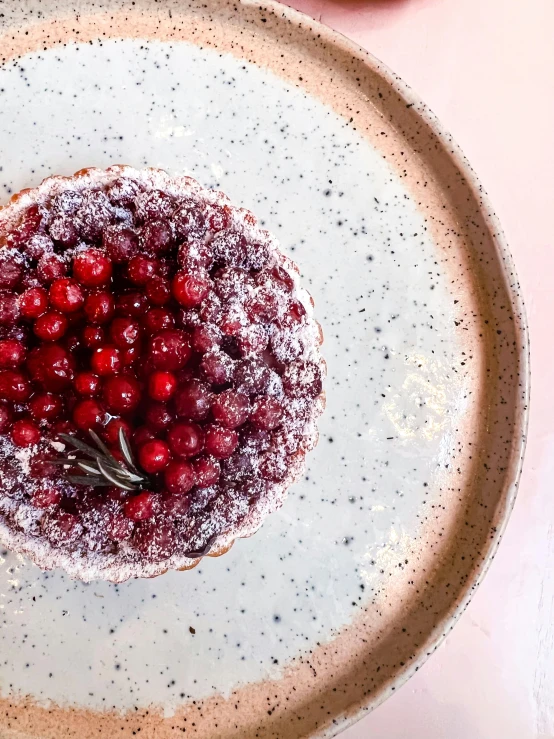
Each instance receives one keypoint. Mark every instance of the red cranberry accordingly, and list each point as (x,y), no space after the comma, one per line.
(158,416)
(67,201)
(252,376)
(190,289)
(185,439)
(105,361)
(140,270)
(158,319)
(12,353)
(195,254)
(175,505)
(218,367)
(66,296)
(120,243)
(51,267)
(283,278)
(130,354)
(88,414)
(25,433)
(170,349)
(11,272)
(142,435)
(121,394)
(93,337)
(161,385)
(179,477)
(51,366)
(123,191)
(33,302)
(118,526)
(124,332)
(51,326)
(92,268)
(205,338)
(158,291)
(154,204)
(63,527)
(9,308)
(156,237)
(14,386)
(155,540)
(87,384)
(189,221)
(111,432)
(231,409)
(193,400)
(141,507)
(45,406)
(295,312)
(28,225)
(220,218)
(63,230)
(230,324)
(131,304)
(99,307)
(63,427)
(267,414)
(5,417)
(264,306)
(154,456)
(206,471)
(220,442)
(39,245)
(46,497)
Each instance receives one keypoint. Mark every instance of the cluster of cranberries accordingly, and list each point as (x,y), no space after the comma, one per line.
(128,307)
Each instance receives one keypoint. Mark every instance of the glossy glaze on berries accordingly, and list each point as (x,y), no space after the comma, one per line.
(131,300)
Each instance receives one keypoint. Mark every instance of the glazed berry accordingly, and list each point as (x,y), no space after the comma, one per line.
(51,267)
(45,406)
(158,416)
(93,337)
(179,477)
(111,432)
(33,302)
(193,400)
(156,237)
(118,526)
(124,332)
(45,497)
(14,386)
(155,540)
(51,326)
(169,349)
(231,409)
(51,367)
(64,232)
(158,319)
(141,269)
(217,367)
(28,225)
(206,471)
(220,442)
(88,414)
(99,307)
(190,289)
(267,414)
(105,361)
(131,304)
(162,385)
(206,337)
(140,507)
(154,456)
(12,353)
(121,394)
(25,433)
(87,384)
(120,243)
(158,291)
(185,439)
(66,296)
(11,271)
(92,268)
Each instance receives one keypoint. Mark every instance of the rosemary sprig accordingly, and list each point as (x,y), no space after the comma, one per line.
(104,469)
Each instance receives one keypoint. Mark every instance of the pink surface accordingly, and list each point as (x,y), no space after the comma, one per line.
(486,68)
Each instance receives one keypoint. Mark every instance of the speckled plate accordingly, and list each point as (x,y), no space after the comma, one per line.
(345,592)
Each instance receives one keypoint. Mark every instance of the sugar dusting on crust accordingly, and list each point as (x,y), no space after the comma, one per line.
(295,346)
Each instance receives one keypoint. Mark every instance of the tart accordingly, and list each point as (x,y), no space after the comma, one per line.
(160,373)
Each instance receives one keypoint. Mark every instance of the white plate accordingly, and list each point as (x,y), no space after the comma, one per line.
(345,591)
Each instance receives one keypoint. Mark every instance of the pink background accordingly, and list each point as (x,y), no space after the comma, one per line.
(486,68)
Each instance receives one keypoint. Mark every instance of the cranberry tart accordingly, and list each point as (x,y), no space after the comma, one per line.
(160,374)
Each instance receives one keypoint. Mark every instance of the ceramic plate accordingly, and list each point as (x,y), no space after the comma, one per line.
(343,593)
